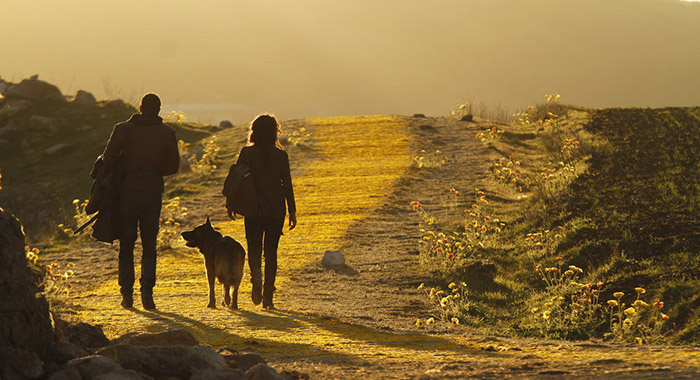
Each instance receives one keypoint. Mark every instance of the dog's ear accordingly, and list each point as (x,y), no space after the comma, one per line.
(208,222)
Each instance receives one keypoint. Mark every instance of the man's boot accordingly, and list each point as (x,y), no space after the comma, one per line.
(256,294)
(147,300)
(127,300)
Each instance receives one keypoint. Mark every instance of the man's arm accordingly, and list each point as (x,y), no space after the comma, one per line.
(172,158)
(114,147)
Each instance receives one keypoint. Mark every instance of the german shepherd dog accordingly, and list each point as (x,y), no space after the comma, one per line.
(223,258)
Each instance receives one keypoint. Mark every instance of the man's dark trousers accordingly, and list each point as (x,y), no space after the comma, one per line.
(138,209)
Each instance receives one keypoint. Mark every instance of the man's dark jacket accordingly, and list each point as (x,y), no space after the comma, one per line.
(139,153)
(148,150)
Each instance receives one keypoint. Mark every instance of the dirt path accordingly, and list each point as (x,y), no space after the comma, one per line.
(353,189)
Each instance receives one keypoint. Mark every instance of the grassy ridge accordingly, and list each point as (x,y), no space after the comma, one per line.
(642,194)
(601,227)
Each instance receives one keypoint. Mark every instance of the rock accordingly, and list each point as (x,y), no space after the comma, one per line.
(244,361)
(178,337)
(467,117)
(172,361)
(122,374)
(116,103)
(16,363)
(25,321)
(85,335)
(65,351)
(294,375)
(42,123)
(35,90)
(333,259)
(225,124)
(14,108)
(219,374)
(92,366)
(84,97)
(53,149)
(69,373)
(3,87)
(263,371)
(479,270)
(419,115)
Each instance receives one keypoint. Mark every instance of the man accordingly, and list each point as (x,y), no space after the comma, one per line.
(148,151)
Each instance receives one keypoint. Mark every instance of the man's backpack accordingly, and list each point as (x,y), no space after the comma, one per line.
(239,190)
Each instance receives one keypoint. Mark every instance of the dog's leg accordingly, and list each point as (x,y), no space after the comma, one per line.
(234,297)
(211,277)
(227,295)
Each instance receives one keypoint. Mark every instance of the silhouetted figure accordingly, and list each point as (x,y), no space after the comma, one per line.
(273,183)
(148,151)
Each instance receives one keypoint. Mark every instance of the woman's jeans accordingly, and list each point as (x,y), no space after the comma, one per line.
(263,235)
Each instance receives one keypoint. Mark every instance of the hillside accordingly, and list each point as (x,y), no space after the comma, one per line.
(48,143)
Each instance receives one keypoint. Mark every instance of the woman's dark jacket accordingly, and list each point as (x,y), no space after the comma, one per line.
(273,180)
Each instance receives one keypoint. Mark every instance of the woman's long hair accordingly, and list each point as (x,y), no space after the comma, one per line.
(264,132)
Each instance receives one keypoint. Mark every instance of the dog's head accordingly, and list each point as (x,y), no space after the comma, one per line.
(199,234)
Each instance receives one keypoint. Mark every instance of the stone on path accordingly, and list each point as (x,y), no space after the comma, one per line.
(225,124)
(333,259)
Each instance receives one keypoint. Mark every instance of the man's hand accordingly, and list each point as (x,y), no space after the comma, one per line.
(231,214)
(292,221)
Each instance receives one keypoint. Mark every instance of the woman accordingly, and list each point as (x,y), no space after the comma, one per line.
(273,184)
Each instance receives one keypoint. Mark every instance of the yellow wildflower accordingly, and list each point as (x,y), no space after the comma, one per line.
(630,311)
(618,294)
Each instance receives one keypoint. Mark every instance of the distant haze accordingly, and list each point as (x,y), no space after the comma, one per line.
(231,59)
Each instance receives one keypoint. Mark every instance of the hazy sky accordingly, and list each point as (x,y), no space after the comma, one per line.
(323,57)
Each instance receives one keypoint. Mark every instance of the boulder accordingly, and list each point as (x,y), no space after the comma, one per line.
(25,321)
(122,374)
(42,123)
(419,115)
(116,103)
(243,361)
(35,90)
(333,259)
(16,363)
(263,372)
(3,87)
(68,373)
(179,337)
(85,335)
(225,124)
(92,366)
(84,97)
(65,351)
(219,374)
(53,149)
(172,361)
(14,108)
